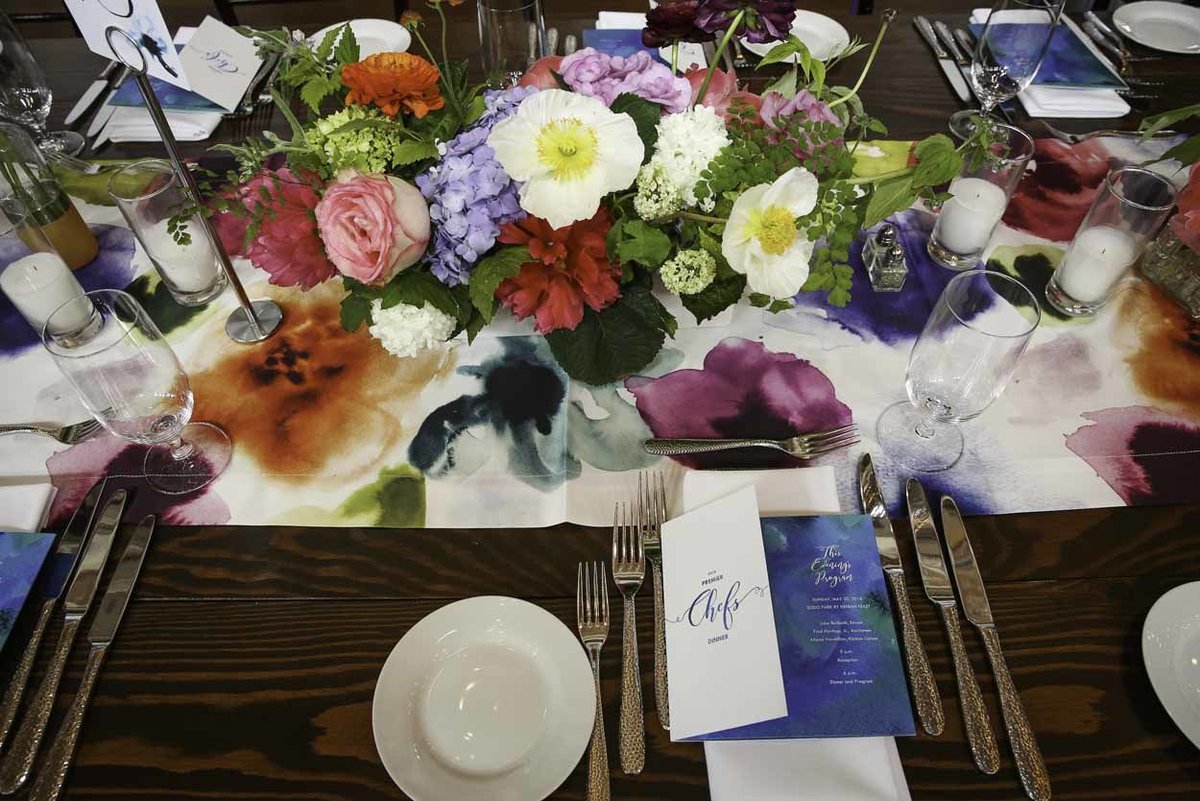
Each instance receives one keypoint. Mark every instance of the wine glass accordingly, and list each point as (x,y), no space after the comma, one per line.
(512,35)
(25,94)
(960,364)
(1008,53)
(129,379)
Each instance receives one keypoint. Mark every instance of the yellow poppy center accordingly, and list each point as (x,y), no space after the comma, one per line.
(567,148)
(775,229)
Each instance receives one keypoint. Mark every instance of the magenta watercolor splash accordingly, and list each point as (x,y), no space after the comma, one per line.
(1145,455)
(743,390)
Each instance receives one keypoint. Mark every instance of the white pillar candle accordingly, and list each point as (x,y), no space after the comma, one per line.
(37,285)
(968,218)
(191,267)
(1096,260)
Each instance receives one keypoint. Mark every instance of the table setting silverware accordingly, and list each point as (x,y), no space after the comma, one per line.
(100,636)
(652,495)
(105,111)
(570,44)
(92,93)
(936,580)
(1114,38)
(67,435)
(1075,138)
(551,41)
(629,569)
(592,619)
(920,676)
(801,446)
(943,57)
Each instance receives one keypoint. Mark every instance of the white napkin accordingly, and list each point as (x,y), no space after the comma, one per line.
(23,507)
(847,768)
(130,124)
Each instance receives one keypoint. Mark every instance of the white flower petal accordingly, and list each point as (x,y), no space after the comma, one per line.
(620,150)
(512,140)
(780,276)
(795,190)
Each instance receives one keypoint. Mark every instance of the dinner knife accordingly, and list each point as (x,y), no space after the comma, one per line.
(920,677)
(949,68)
(1030,765)
(106,108)
(90,94)
(936,580)
(958,55)
(100,636)
(18,762)
(55,576)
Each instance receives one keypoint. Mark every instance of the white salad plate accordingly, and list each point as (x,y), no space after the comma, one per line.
(822,35)
(1171,649)
(486,699)
(373,36)
(1172,27)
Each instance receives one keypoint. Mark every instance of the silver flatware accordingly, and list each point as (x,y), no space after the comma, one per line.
(55,575)
(570,44)
(68,435)
(551,41)
(50,781)
(1030,765)
(1115,38)
(592,619)
(803,446)
(936,580)
(90,95)
(72,163)
(920,676)
(959,55)
(1108,47)
(18,762)
(949,68)
(653,501)
(740,59)
(629,569)
(1076,138)
(106,108)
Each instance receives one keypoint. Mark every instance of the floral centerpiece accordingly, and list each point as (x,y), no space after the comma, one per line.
(573,197)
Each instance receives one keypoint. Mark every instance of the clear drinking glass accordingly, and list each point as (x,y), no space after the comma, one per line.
(1126,215)
(980,194)
(1008,53)
(32,273)
(960,364)
(512,35)
(154,202)
(25,93)
(129,379)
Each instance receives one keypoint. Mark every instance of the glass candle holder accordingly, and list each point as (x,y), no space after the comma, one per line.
(979,196)
(1128,211)
(512,35)
(164,219)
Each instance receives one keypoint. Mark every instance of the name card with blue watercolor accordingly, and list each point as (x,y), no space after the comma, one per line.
(220,63)
(722,651)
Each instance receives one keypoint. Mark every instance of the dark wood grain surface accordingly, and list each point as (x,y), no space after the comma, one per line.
(247,662)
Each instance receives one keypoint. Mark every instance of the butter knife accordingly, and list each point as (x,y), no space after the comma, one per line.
(18,762)
(1030,765)
(100,636)
(106,108)
(55,576)
(920,677)
(94,90)
(949,68)
(936,580)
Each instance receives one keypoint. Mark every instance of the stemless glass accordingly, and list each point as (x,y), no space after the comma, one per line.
(129,379)
(32,273)
(512,35)
(960,364)
(25,94)
(1008,53)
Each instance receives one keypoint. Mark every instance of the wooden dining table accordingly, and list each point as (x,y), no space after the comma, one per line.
(247,661)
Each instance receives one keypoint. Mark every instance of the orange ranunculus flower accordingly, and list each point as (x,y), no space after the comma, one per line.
(394,81)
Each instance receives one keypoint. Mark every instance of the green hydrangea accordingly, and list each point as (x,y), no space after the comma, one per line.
(368,147)
(657,195)
(689,272)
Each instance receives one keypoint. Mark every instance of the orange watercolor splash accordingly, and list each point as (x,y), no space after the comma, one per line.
(1166,362)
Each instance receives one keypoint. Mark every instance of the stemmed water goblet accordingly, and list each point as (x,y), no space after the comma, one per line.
(25,93)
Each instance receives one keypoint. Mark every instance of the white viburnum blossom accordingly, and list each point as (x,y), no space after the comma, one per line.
(657,195)
(687,143)
(689,272)
(762,239)
(405,330)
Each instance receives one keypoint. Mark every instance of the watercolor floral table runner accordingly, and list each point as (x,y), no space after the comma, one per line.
(330,430)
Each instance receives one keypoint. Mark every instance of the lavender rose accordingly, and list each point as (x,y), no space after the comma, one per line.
(604,77)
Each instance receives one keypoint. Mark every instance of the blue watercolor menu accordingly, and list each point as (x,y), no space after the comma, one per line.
(21,558)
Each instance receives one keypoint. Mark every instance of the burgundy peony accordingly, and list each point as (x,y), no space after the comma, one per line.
(764,20)
(673,21)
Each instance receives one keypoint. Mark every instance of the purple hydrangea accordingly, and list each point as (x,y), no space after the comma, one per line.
(604,77)
(470,195)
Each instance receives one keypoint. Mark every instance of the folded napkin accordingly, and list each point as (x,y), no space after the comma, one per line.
(23,507)
(845,769)
(135,125)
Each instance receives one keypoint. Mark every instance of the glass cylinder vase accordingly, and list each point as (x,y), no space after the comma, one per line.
(512,35)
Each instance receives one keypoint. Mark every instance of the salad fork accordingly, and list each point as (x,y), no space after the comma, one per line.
(591,615)
(629,568)
(803,446)
(67,435)
(652,495)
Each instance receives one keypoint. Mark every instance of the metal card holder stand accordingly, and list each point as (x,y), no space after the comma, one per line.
(253,321)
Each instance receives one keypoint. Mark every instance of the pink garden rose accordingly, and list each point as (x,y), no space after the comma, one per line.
(373,226)
(540,73)
(722,92)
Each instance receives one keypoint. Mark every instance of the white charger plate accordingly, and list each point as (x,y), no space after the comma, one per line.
(1172,27)
(824,36)
(1171,650)
(373,36)
(486,699)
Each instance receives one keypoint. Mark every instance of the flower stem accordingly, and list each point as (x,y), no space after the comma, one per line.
(451,91)
(675,58)
(704,218)
(888,16)
(737,20)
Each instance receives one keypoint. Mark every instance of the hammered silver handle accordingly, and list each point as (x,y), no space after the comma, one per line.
(920,676)
(975,717)
(660,648)
(632,724)
(20,676)
(1030,765)
(682,447)
(598,786)
(58,762)
(18,762)
(24,428)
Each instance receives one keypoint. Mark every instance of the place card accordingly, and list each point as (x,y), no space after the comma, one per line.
(143,21)
(220,63)
(722,652)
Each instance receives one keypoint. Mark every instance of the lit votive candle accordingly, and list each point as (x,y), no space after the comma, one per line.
(970,215)
(37,285)
(1096,261)
(191,267)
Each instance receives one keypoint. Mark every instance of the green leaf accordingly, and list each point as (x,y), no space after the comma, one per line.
(489,273)
(938,161)
(889,197)
(787,84)
(411,151)
(780,304)
(759,300)
(325,48)
(644,244)
(722,293)
(317,89)
(417,289)
(356,309)
(286,111)
(645,116)
(474,326)
(346,51)
(709,243)
(784,52)
(1187,151)
(1154,124)
(932,144)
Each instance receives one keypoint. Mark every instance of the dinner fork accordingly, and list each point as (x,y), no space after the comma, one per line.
(803,446)
(652,496)
(629,568)
(1074,138)
(68,435)
(591,615)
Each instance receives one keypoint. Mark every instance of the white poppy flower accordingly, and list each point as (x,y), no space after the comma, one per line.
(762,240)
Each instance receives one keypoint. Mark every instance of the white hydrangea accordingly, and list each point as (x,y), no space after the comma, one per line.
(406,330)
(657,196)
(687,143)
(690,272)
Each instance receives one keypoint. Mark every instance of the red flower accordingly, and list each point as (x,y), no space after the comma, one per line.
(571,268)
